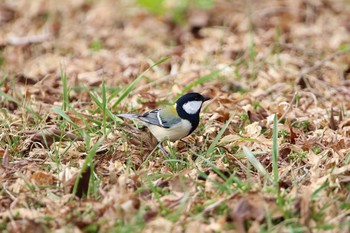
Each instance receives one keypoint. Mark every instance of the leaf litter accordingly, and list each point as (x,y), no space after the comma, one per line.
(256,59)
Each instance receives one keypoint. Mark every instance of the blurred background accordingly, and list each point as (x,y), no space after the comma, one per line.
(254,44)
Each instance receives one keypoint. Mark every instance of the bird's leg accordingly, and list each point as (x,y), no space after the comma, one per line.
(163,150)
(188,143)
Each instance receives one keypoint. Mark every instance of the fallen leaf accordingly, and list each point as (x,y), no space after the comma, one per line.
(46,137)
(158,225)
(7,14)
(83,183)
(332,124)
(6,157)
(26,225)
(42,178)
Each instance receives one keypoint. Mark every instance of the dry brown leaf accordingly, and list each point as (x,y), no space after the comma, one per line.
(159,225)
(46,137)
(252,208)
(39,153)
(7,14)
(285,68)
(332,124)
(173,200)
(42,178)
(197,227)
(253,130)
(83,183)
(19,186)
(26,225)
(210,183)
(6,157)
(306,205)
(182,183)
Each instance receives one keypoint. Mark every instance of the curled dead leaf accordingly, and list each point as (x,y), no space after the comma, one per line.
(6,157)
(42,178)
(7,14)
(159,225)
(26,225)
(198,227)
(332,123)
(130,207)
(210,183)
(253,130)
(249,209)
(172,200)
(252,208)
(83,183)
(46,137)
(150,215)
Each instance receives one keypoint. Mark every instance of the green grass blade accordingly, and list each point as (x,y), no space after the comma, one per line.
(96,100)
(132,85)
(65,91)
(84,120)
(275,152)
(8,97)
(93,183)
(28,108)
(104,109)
(218,136)
(256,163)
(61,113)
(100,105)
(86,163)
(214,167)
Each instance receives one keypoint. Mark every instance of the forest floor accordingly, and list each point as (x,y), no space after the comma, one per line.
(271,153)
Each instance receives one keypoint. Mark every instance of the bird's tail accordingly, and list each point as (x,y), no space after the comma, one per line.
(127,115)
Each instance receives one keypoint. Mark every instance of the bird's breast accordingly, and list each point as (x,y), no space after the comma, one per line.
(176,132)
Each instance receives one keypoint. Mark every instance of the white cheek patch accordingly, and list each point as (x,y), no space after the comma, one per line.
(192,107)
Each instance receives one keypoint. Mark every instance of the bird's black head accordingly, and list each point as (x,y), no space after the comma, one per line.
(188,107)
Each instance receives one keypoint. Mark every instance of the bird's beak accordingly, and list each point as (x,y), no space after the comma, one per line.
(206,98)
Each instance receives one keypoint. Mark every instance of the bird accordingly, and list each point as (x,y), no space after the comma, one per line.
(172,122)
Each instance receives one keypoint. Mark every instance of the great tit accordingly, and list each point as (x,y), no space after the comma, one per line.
(172,122)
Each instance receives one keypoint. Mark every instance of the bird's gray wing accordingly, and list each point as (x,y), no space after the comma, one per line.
(160,117)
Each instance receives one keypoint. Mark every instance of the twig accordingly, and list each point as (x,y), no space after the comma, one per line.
(217,203)
(289,107)
(6,158)
(12,197)
(13,40)
(319,64)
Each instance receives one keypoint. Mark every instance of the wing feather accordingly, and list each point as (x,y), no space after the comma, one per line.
(161,117)
(166,117)
(153,117)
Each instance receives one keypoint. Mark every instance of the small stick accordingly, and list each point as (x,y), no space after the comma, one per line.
(13,40)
